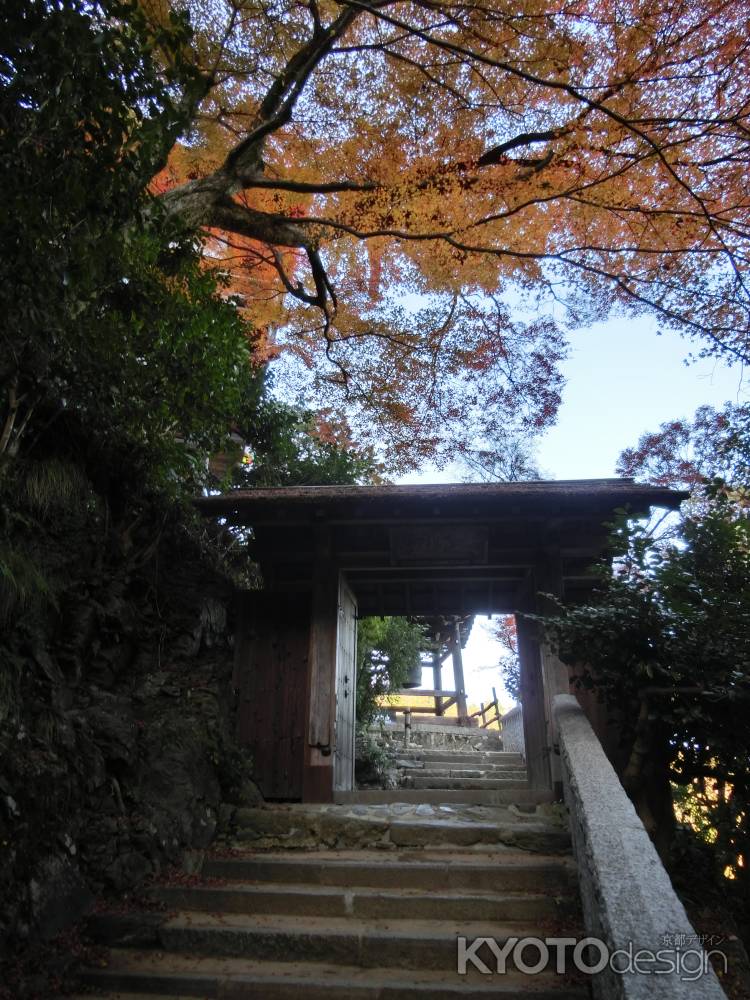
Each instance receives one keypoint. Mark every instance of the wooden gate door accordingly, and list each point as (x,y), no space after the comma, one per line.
(271,653)
(346,660)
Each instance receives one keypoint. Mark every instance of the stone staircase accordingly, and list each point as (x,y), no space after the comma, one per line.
(450,764)
(477,770)
(359,901)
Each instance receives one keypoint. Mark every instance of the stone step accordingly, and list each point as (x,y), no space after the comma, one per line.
(505,871)
(419,739)
(464,796)
(362,901)
(464,784)
(527,836)
(466,760)
(439,770)
(435,766)
(467,757)
(444,726)
(146,976)
(367,943)
(308,827)
(421,745)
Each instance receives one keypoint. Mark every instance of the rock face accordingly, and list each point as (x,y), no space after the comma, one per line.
(58,894)
(117,764)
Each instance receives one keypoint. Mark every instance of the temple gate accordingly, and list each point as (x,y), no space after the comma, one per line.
(328,554)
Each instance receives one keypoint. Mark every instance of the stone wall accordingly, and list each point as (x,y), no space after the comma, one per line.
(512,730)
(113,772)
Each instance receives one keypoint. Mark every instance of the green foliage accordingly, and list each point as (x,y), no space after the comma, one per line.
(510,667)
(21,581)
(670,628)
(510,672)
(119,362)
(121,365)
(120,371)
(112,327)
(372,762)
(289,447)
(387,648)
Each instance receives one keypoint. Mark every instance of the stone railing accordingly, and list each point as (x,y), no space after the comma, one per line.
(628,901)
(511,730)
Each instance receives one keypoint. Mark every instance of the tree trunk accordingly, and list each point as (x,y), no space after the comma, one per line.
(646,779)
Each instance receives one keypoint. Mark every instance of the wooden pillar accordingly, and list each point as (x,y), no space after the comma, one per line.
(317,785)
(437,681)
(458,671)
(548,579)
(532,700)
(556,682)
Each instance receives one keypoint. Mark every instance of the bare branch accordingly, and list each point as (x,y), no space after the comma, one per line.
(297,290)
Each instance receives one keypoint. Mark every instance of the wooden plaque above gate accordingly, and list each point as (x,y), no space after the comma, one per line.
(439,545)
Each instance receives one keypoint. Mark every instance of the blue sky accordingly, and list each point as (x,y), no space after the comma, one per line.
(622,379)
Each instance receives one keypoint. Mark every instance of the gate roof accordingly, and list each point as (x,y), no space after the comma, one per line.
(457,548)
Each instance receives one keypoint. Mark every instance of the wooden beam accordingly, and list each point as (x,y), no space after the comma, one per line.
(426,693)
(420,709)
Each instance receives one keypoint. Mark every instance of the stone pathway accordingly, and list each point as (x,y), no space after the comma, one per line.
(357,901)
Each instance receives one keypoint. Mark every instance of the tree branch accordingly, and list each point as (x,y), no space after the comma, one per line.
(275,110)
(263,226)
(301,187)
(13,404)
(498,153)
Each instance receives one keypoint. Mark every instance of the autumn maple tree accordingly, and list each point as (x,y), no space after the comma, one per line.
(417,197)
(687,454)
(506,635)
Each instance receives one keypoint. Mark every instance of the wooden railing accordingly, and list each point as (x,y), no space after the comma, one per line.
(443,700)
(488,713)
